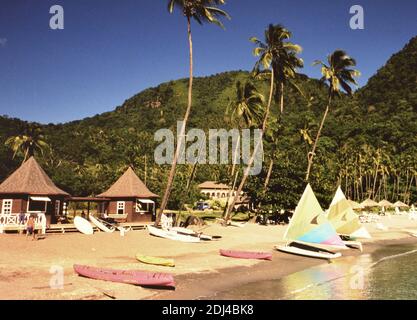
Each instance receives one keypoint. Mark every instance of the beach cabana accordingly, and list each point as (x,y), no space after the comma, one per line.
(28,191)
(355,205)
(130,200)
(369,203)
(385,204)
(400,205)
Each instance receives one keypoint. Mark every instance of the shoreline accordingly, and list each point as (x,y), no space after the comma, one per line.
(282,265)
(28,267)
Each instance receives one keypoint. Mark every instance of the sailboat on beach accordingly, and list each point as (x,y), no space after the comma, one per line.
(346,221)
(309,232)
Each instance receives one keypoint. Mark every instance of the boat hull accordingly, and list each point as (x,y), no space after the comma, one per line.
(172,235)
(156,260)
(354,244)
(135,277)
(100,225)
(192,233)
(308,251)
(83,225)
(246,254)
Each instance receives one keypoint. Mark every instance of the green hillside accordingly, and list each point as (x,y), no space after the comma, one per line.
(369,142)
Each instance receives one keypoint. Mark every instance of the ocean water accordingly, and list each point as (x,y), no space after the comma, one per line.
(386,274)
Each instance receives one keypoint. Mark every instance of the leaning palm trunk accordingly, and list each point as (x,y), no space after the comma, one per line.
(312,153)
(233,181)
(182,132)
(230,193)
(252,158)
(268,175)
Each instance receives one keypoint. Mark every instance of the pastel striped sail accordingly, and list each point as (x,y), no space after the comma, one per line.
(344,219)
(309,224)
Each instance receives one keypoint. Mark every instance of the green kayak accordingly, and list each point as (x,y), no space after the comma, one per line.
(156,260)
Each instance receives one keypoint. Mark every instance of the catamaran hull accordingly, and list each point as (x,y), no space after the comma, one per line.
(323,247)
(309,252)
(172,235)
(354,244)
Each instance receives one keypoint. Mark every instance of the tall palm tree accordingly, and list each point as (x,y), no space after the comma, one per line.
(28,142)
(268,53)
(283,55)
(339,74)
(201,11)
(244,111)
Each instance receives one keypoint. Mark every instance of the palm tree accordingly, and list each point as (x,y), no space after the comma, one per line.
(201,11)
(283,55)
(26,143)
(244,111)
(268,53)
(339,74)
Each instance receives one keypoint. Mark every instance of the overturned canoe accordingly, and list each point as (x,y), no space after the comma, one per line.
(155,260)
(136,277)
(246,254)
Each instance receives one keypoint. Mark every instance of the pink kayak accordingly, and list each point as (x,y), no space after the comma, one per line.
(246,254)
(136,277)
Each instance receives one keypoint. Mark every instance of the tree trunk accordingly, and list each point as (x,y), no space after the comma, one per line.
(268,175)
(375,177)
(230,194)
(282,97)
(182,132)
(311,154)
(252,158)
(235,157)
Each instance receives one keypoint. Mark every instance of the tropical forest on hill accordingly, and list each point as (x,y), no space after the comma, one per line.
(368,144)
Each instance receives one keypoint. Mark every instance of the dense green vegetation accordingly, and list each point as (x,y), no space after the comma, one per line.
(368,143)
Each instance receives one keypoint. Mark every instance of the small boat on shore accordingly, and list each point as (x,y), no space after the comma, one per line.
(135,277)
(308,251)
(83,225)
(246,254)
(172,235)
(193,233)
(100,224)
(155,260)
(309,233)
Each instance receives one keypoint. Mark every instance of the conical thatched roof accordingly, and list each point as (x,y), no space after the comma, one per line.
(385,203)
(400,204)
(30,179)
(369,203)
(128,186)
(355,205)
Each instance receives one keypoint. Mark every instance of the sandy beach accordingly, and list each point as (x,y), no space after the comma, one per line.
(200,271)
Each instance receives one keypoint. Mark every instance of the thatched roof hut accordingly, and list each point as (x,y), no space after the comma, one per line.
(369,203)
(30,179)
(385,203)
(130,200)
(355,205)
(128,186)
(400,204)
(29,190)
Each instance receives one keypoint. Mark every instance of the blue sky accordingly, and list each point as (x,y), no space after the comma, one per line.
(111,50)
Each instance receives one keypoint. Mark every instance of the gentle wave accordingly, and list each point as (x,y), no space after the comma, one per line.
(368,269)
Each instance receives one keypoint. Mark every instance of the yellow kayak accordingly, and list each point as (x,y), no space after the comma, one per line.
(156,260)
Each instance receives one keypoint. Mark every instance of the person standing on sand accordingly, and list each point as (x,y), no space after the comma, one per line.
(30,227)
